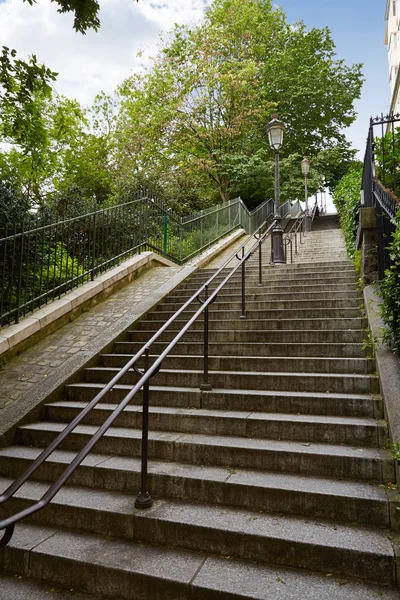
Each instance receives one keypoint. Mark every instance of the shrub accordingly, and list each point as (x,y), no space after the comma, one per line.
(347,201)
(390,288)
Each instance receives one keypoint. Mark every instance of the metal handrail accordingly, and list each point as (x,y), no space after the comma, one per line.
(143,500)
(297,227)
(314,210)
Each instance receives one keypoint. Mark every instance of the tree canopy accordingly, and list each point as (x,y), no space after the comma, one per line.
(204,105)
(86,12)
(193,126)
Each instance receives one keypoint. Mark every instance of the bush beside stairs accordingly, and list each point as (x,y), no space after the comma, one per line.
(270,486)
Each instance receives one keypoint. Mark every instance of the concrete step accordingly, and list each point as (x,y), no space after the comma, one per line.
(353,301)
(272,274)
(306,265)
(247,349)
(300,382)
(136,571)
(259,324)
(311,403)
(267,296)
(273,277)
(308,336)
(326,429)
(281,313)
(348,462)
(18,587)
(284,493)
(279,287)
(280,539)
(252,363)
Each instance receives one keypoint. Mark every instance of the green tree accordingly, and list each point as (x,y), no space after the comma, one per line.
(204,105)
(86,12)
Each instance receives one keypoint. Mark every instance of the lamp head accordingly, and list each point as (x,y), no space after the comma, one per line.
(275,129)
(305,166)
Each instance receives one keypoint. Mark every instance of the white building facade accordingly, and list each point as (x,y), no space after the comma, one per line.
(392,40)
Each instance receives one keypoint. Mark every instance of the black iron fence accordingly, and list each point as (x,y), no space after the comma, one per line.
(46,256)
(381,181)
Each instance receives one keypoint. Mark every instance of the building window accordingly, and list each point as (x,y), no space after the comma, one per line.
(394,7)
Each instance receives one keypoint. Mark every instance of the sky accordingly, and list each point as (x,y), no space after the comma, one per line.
(100,61)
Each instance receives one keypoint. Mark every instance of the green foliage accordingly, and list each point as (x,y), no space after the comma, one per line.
(357,261)
(201,112)
(370,343)
(58,266)
(387,160)
(390,289)
(395,451)
(86,12)
(13,206)
(347,201)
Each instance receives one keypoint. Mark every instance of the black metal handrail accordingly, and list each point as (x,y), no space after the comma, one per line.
(297,227)
(143,499)
(314,210)
(380,182)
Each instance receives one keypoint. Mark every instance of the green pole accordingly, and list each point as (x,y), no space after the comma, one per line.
(165,246)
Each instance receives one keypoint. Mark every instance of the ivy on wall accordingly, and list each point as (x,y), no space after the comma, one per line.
(346,198)
(390,288)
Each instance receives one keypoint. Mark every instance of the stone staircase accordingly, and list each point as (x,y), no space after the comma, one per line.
(269,486)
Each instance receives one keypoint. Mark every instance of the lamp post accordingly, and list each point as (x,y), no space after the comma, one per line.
(275,129)
(305,168)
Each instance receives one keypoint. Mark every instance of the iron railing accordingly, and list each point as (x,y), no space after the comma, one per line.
(381,181)
(143,499)
(290,237)
(45,256)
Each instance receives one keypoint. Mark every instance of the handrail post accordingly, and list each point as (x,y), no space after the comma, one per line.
(259,265)
(243,315)
(143,499)
(205,384)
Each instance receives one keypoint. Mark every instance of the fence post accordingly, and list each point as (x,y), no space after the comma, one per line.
(20,264)
(143,499)
(93,261)
(205,384)
(165,242)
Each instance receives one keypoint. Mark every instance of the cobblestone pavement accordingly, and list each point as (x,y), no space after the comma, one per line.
(36,363)
(33,365)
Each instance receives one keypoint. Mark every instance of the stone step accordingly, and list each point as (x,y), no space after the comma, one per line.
(279,287)
(297,542)
(248,349)
(272,277)
(308,336)
(234,303)
(307,265)
(348,462)
(312,312)
(201,277)
(18,587)
(284,493)
(299,382)
(326,429)
(259,324)
(253,400)
(136,571)
(263,296)
(252,363)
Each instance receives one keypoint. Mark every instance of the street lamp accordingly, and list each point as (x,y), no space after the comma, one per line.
(275,129)
(305,168)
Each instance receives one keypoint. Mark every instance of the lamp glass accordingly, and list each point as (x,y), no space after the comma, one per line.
(275,129)
(305,166)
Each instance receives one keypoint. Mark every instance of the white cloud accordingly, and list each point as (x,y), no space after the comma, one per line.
(96,61)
